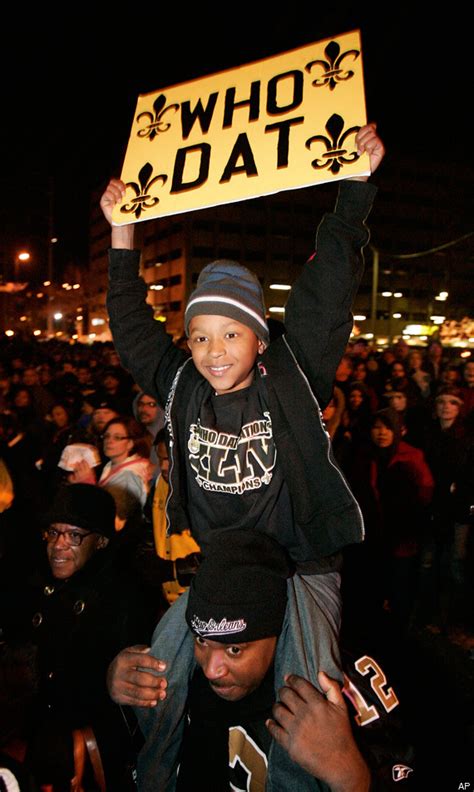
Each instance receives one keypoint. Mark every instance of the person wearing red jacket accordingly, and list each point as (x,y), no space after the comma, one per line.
(394,487)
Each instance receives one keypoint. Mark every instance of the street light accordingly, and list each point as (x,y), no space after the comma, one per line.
(22,258)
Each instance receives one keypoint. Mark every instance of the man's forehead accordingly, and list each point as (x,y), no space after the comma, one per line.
(222,644)
(251,647)
(67,527)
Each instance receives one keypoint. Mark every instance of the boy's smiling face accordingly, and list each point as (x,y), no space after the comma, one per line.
(224,351)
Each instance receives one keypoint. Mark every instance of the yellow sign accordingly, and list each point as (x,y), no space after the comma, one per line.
(282,123)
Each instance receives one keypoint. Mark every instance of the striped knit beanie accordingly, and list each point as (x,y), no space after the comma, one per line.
(226,288)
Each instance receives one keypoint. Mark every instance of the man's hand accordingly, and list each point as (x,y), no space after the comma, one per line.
(316,732)
(122,236)
(368,141)
(132,678)
(82,473)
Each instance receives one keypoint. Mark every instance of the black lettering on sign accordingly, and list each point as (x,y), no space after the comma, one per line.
(198,113)
(283,128)
(178,185)
(241,149)
(273,108)
(230,104)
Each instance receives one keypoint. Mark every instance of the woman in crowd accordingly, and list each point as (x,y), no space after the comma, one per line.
(398,380)
(447,450)
(62,432)
(412,420)
(434,361)
(127,474)
(394,487)
(332,416)
(467,392)
(418,374)
(356,417)
(361,374)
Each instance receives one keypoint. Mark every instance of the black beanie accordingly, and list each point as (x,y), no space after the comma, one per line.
(86,506)
(239,591)
(226,288)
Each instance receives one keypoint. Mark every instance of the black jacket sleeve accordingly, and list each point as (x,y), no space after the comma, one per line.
(318,314)
(144,347)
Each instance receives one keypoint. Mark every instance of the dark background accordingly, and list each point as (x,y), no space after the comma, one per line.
(70,81)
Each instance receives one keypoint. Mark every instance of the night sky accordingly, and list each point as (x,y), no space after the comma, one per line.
(70,85)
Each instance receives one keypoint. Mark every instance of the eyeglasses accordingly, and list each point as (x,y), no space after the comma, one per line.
(72,538)
(108,436)
(147,404)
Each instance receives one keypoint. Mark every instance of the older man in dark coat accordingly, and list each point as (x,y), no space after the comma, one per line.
(78,613)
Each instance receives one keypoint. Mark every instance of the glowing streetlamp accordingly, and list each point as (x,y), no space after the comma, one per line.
(21,258)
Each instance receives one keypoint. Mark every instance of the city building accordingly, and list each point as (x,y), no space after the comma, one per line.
(418,263)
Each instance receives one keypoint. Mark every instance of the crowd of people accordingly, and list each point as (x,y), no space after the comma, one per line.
(401,423)
(73,414)
(203,491)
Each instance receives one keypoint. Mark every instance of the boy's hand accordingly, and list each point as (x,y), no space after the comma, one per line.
(316,732)
(368,141)
(122,236)
(132,678)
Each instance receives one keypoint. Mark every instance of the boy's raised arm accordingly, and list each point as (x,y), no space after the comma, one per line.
(121,236)
(144,347)
(368,141)
(319,310)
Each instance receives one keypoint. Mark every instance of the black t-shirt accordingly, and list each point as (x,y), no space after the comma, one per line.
(226,743)
(233,476)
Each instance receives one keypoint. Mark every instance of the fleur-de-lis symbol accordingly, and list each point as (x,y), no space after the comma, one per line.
(155,120)
(143,200)
(332,66)
(335,155)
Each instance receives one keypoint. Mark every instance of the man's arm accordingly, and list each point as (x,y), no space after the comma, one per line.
(135,678)
(145,349)
(318,314)
(316,732)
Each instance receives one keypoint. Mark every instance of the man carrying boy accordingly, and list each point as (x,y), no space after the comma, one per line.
(248,448)
(236,614)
